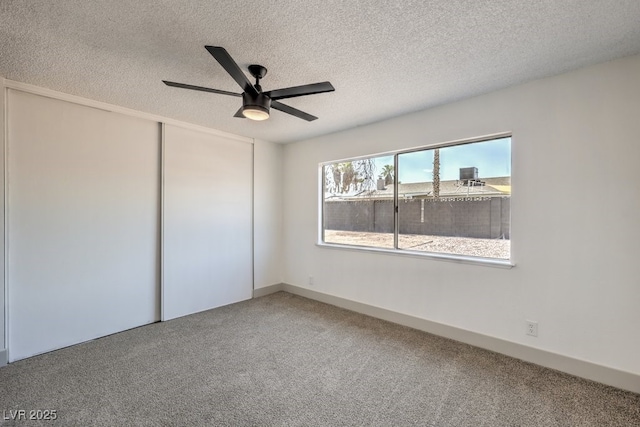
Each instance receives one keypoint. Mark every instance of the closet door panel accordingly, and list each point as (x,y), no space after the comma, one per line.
(207,225)
(83,223)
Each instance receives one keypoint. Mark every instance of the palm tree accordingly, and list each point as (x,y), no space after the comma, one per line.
(349,176)
(436,173)
(388,174)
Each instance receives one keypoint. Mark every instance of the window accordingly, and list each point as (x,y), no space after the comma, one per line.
(453,199)
(358,205)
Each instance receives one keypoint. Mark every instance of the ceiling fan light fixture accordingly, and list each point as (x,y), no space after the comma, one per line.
(256,108)
(254,112)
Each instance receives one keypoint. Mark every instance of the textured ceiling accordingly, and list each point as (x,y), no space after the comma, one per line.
(385,58)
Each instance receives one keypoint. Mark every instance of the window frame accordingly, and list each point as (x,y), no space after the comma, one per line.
(459,258)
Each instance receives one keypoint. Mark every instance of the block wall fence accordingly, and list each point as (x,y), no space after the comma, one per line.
(487,218)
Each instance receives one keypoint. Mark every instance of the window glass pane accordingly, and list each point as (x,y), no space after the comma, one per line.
(358,202)
(456,199)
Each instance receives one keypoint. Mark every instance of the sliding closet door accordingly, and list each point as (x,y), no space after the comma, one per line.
(207,237)
(83,223)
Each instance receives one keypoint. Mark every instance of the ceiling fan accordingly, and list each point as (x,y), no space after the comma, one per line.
(256,103)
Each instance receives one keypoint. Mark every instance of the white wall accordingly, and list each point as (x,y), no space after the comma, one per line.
(575,228)
(267,213)
(3,344)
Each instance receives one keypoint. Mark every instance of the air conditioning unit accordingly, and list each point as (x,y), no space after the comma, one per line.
(468,174)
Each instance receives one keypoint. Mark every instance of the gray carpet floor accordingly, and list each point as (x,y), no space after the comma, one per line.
(283,360)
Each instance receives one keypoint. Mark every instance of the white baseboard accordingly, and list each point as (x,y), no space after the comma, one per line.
(3,357)
(580,368)
(261,292)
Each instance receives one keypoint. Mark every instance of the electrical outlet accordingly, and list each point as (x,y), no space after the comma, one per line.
(310,280)
(532,328)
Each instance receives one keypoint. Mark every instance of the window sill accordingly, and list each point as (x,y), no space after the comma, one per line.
(460,259)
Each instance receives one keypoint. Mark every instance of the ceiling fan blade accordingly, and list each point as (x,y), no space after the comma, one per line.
(222,56)
(239,113)
(200,88)
(292,92)
(293,111)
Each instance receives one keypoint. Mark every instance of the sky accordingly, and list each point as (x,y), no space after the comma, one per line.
(492,158)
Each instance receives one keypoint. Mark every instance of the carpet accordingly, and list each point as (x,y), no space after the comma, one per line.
(284,360)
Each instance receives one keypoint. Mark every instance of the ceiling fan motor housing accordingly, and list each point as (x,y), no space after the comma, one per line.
(259,102)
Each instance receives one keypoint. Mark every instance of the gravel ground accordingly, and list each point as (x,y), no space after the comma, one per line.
(487,248)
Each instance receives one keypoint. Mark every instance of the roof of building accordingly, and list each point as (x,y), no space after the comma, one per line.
(485,187)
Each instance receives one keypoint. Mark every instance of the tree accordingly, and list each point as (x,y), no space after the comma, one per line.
(366,171)
(387,174)
(350,177)
(436,173)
